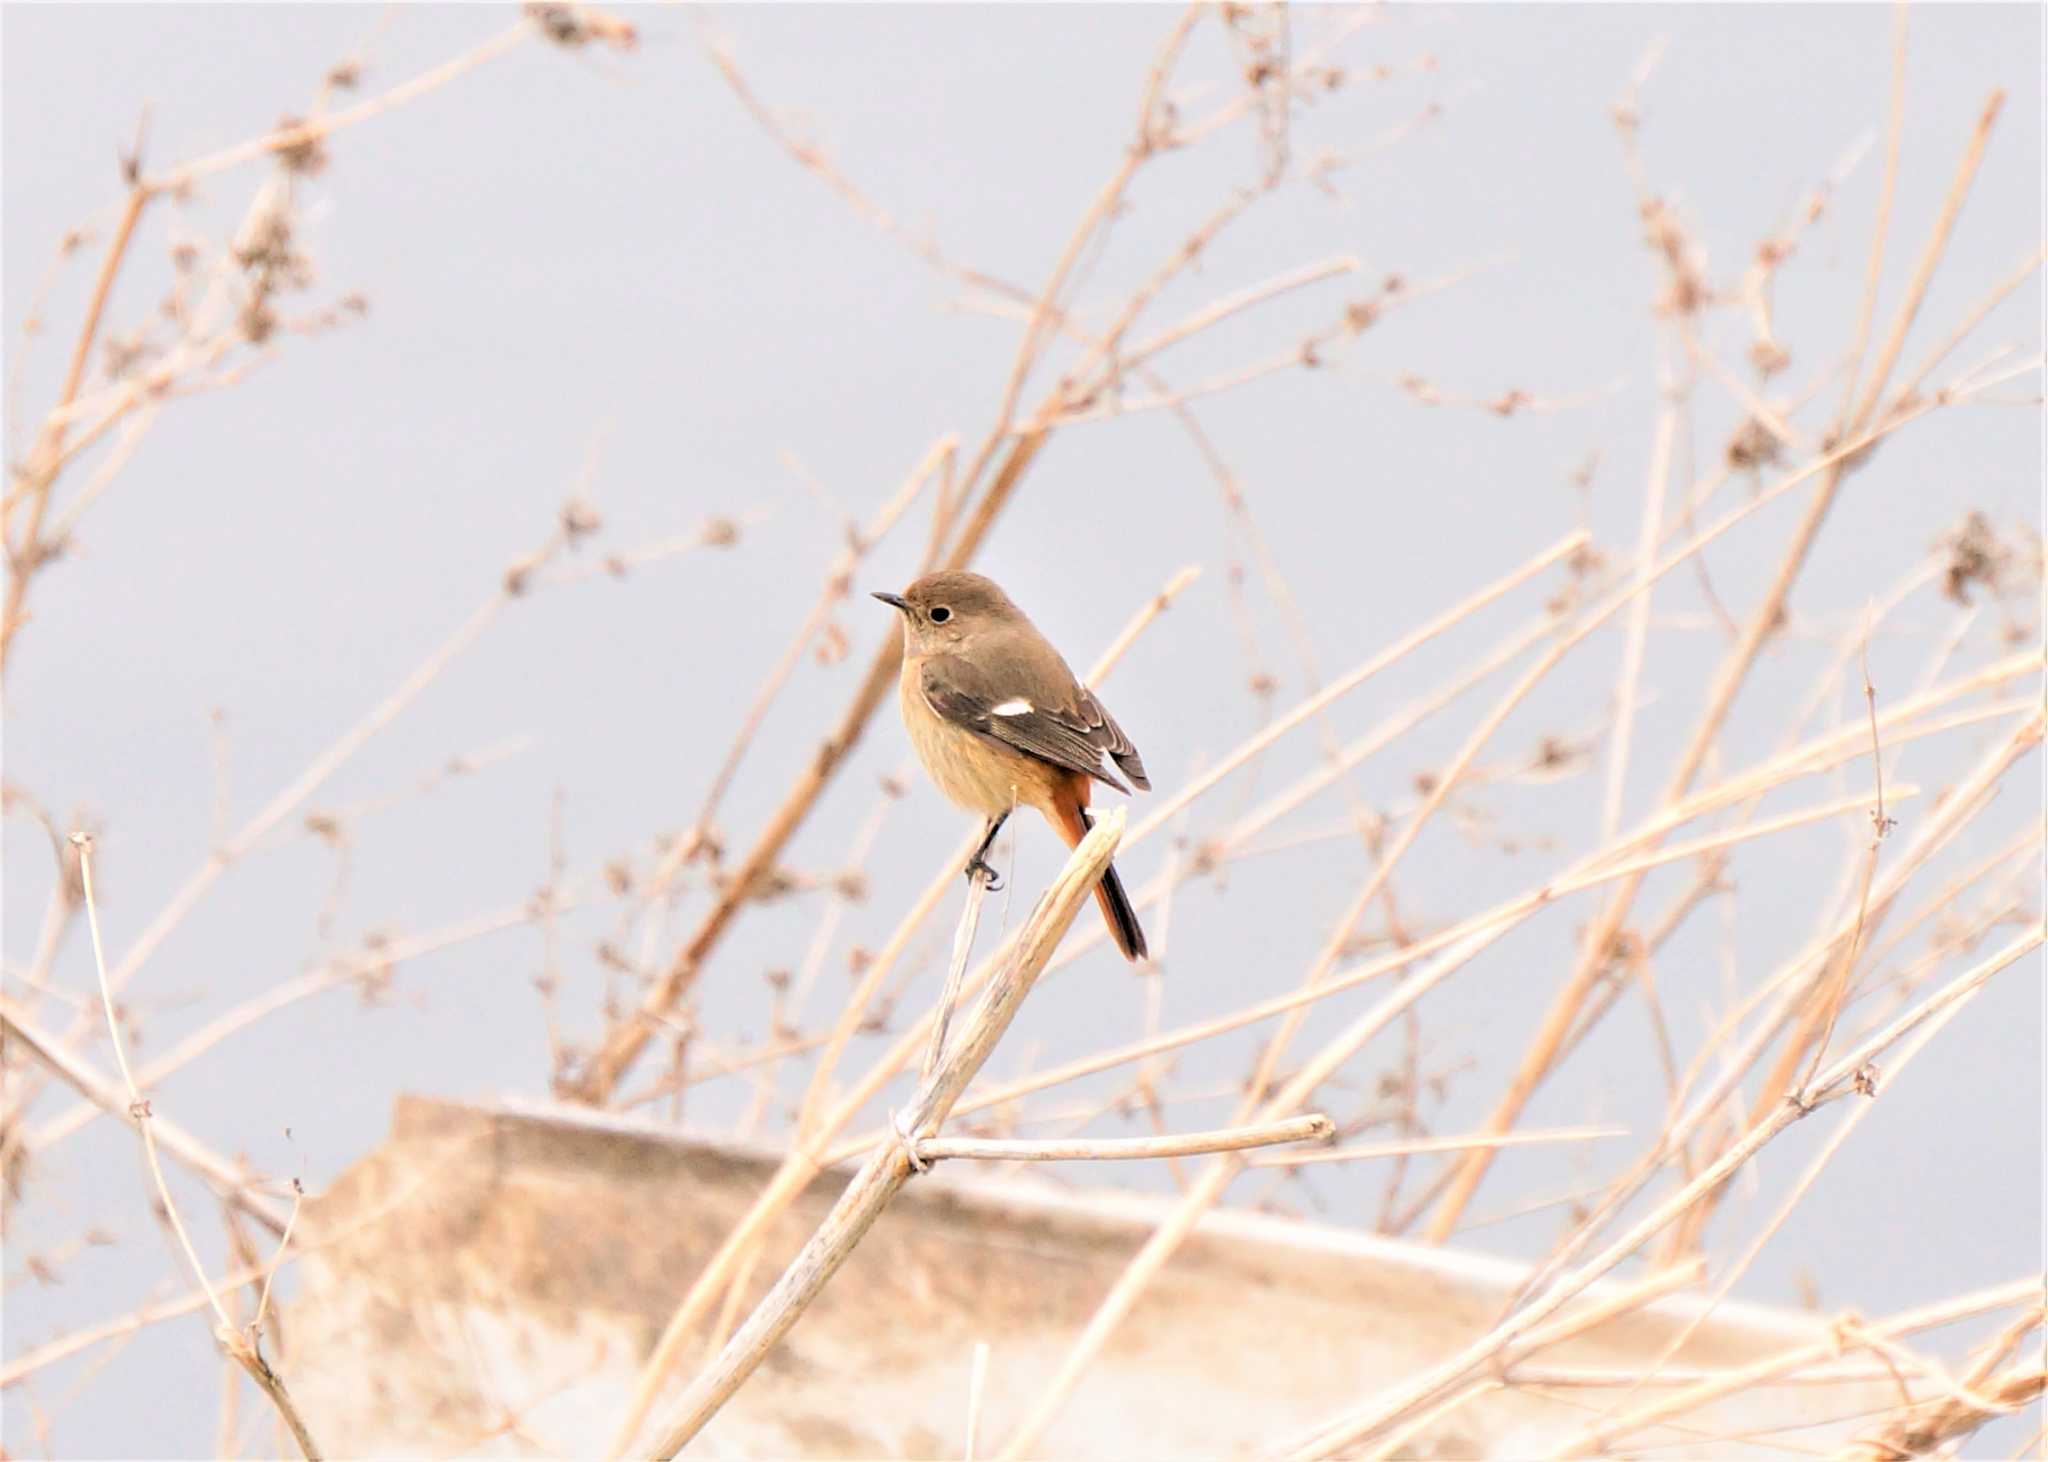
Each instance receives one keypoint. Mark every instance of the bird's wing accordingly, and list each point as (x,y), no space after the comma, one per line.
(1074,732)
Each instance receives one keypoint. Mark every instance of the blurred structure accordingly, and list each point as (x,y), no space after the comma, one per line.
(489,1281)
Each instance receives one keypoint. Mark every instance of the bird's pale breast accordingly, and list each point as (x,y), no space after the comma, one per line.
(971,770)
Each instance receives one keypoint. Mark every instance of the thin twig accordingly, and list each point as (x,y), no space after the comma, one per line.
(1357,1152)
(224,1176)
(239,1347)
(891,1167)
(977,1389)
(1313,1128)
(956,967)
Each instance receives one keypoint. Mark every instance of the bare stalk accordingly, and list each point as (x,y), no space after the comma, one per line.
(890,1168)
(241,1348)
(956,968)
(1313,1128)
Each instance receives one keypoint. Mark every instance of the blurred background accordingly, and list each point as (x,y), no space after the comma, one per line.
(728,322)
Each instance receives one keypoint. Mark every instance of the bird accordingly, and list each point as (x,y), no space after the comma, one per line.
(1000,722)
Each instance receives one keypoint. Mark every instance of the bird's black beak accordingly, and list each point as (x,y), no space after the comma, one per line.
(895,601)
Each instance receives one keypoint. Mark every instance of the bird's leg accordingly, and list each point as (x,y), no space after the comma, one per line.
(979,862)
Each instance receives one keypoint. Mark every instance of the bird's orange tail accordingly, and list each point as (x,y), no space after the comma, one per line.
(1073,823)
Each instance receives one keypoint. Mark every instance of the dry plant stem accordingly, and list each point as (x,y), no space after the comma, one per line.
(1933,1429)
(1880,232)
(1980,1396)
(887,1171)
(802,1166)
(1491,923)
(1315,1127)
(1355,1152)
(1588,1317)
(1265,738)
(811,158)
(1836,1082)
(1834,988)
(623,1044)
(66,1346)
(1733,1273)
(1786,988)
(239,1347)
(1741,1378)
(1449,777)
(819,1091)
(281,997)
(1309,708)
(138,1108)
(122,1327)
(1237,303)
(1832,993)
(1470,941)
(1544,1048)
(729,1313)
(49,457)
(1637,632)
(813,1130)
(1910,388)
(1815,1010)
(1202,1194)
(834,591)
(1106,199)
(1930,259)
(24,553)
(956,968)
(1020,445)
(318,130)
(1157,605)
(220,1173)
(1602,1378)
(309,781)
(977,1388)
(1446,779)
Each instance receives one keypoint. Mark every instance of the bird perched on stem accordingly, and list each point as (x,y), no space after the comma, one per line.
(1000,722)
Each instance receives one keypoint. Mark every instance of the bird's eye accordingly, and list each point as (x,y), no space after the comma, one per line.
(940,614)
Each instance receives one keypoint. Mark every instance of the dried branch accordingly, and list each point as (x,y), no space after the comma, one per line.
(1840,1080)
(242,1348)
(1313,1128)
(1360,1151)
(890,1168)
(225,1177)
(1728,680)
(978,879)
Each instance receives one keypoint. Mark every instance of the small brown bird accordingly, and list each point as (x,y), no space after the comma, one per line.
(1000,722)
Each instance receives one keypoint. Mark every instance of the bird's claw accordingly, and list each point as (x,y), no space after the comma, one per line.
(989,875)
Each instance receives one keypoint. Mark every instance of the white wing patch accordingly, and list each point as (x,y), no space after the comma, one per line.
(1015,706)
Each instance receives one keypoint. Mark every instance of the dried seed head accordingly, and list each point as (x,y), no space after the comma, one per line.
(1752,446)
(1975,556)
(579,519)
(1769,357)
(571,26)
(304,150)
